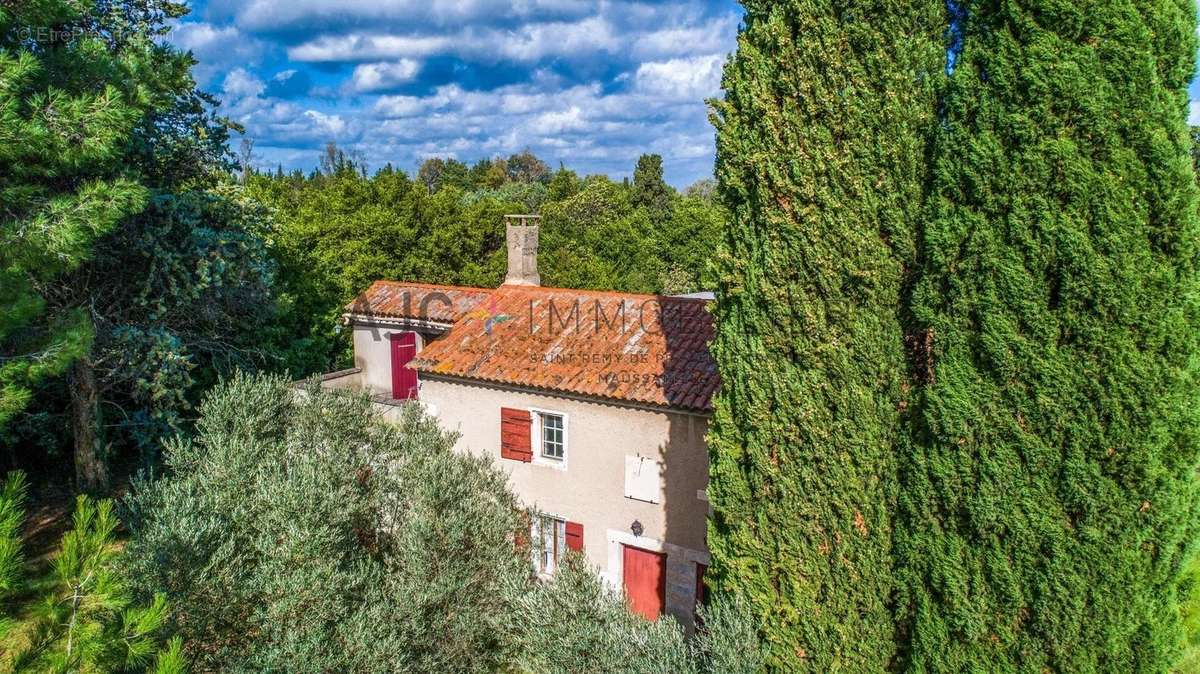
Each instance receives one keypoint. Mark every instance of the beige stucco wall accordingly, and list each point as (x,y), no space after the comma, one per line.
(589,487)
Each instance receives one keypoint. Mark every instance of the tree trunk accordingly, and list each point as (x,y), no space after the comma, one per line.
(91,474)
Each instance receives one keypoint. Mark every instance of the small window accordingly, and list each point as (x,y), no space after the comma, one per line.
(549,535)
(554,439)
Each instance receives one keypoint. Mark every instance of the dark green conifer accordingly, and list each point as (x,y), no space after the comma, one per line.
(821,144)
(1050,491)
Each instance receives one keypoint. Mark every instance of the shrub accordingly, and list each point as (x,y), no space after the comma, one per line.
(299,532)
(574,624)
(87,621)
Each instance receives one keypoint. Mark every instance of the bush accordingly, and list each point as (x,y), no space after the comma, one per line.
(297,532)
(86,619)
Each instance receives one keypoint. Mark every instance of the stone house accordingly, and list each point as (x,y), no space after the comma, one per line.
(595,403)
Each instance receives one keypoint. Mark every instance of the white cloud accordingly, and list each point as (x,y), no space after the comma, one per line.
(385,75)
(216,49)
(710,37)
(1194,113)
(596,83)
(203,37)
(683,79)
(538,40)
(525,44)
(549,123)
(240,84)
(277,14)
(339,48)
(331,126)
(399,106)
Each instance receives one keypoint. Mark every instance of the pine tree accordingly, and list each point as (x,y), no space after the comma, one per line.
(1049,494)
(61,182)
(86,621)
(820,157)
(12,514)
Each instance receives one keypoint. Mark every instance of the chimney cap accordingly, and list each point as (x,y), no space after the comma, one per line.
(522,219)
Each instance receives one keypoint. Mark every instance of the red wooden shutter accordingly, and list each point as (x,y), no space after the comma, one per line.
(574,536)
(521,535)
(514,434)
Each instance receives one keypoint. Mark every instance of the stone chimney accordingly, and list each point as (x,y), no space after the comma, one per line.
(522,232)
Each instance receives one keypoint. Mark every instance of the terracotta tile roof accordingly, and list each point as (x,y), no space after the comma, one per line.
(638,348)
(395,299)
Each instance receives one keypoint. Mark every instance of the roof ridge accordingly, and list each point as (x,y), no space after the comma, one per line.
(438,286)
(606,293)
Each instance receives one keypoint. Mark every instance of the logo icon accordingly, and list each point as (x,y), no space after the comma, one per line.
(490,316)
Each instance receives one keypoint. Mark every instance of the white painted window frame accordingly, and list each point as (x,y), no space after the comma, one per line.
(538,549)
(538,458)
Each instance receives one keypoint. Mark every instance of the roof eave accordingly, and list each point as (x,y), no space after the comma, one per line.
(358,318)
(529,388)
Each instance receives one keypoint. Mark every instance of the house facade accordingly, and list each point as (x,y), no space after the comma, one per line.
(596,404)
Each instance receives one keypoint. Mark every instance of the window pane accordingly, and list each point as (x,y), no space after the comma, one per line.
(552,436)
(535,538)
(560,540)
(548,540)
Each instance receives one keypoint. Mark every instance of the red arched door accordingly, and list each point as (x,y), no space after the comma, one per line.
(645,581)
(404,380)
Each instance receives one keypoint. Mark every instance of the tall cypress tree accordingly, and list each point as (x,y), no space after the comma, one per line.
(1049,494)
(820,157)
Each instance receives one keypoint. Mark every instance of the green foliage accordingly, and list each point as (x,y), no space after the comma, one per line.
(178,294)
(525,167)
(820,142)
(66,116)
(12,513)
(597,239)
(727,641)
(564,184)
(99,132)
(650,191)
(298,531)
(573,624)
(1050,494)
(1189,611)
(88,621)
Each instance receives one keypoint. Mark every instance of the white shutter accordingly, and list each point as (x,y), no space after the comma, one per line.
(643,477)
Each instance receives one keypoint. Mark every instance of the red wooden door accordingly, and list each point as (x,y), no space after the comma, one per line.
(404,380)
(645,581)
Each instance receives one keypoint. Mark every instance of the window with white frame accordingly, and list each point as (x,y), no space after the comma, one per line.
(553,433)
(549,536)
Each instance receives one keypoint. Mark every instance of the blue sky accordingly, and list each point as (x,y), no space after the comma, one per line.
(591,84)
